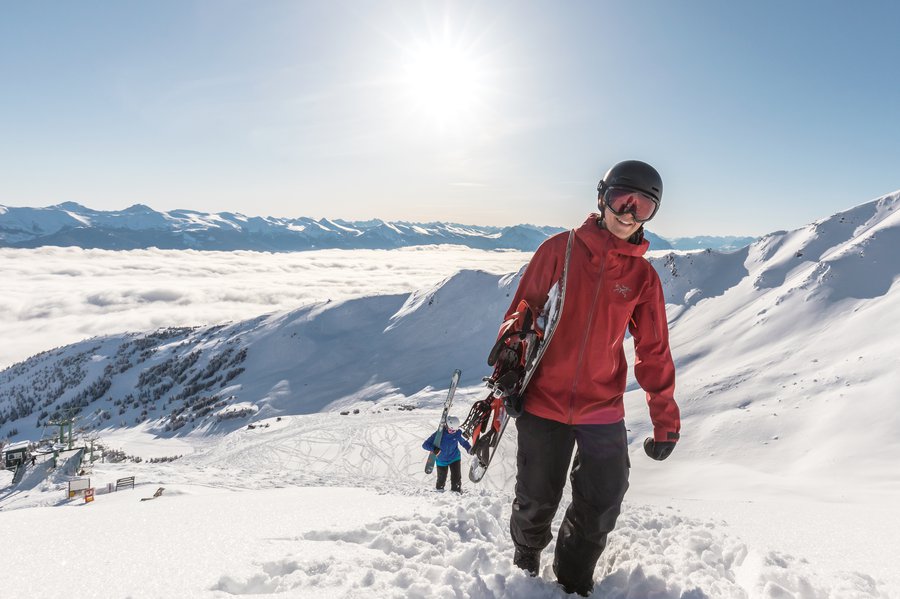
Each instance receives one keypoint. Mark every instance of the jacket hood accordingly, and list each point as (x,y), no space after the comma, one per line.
(599,241)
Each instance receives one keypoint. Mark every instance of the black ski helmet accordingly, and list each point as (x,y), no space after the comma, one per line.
(633,174)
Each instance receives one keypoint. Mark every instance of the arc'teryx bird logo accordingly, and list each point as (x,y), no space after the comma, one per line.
(622,289)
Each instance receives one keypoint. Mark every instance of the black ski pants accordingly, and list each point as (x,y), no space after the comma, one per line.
(455,476)
(599,478)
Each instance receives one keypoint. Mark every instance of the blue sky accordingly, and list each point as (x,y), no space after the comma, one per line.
(760,116)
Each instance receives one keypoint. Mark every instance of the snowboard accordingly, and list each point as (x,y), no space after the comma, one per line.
(454,381)
(498,398)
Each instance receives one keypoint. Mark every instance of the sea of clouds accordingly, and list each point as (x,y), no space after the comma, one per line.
(54,296)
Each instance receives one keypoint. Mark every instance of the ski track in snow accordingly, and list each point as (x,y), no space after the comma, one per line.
(464,550)
(458,545)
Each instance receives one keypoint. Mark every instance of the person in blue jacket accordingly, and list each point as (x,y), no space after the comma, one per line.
(448,456)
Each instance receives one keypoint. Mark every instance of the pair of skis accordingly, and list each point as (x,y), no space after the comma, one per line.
(454,381)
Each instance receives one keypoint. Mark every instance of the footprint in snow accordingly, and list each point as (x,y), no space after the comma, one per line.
(464,551)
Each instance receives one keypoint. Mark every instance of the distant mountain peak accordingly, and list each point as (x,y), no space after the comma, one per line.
(139,208)
(73,206)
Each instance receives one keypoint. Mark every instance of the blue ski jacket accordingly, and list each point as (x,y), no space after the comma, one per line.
(450,443)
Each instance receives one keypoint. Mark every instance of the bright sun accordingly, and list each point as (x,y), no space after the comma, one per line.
(445,83)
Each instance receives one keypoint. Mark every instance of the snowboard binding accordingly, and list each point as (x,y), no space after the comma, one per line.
(520,336)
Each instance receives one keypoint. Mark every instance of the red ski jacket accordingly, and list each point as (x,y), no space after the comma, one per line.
(610,287)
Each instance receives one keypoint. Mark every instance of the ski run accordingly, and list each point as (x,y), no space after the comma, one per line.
(325,505)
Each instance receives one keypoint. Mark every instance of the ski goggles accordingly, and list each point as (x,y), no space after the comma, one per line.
(622,200)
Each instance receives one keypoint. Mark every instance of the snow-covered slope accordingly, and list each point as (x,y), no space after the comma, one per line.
(784,483)
(325,356)
(326,505)
(787,353)
(793,312)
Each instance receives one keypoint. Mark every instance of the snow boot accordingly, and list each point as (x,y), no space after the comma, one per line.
(581,590)
(528,559)
(573,582)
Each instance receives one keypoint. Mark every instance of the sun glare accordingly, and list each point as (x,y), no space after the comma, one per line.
(445,83)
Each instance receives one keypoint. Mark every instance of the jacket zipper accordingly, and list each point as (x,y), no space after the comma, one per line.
(587,334)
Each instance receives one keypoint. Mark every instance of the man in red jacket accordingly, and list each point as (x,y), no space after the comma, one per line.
(574,402)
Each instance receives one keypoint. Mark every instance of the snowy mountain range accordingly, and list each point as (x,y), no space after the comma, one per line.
(301,430)
(779,302)
(139,226)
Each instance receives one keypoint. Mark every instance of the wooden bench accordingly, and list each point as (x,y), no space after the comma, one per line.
(124,483)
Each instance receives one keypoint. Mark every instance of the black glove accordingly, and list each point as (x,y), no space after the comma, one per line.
(658,450)
(436,451)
